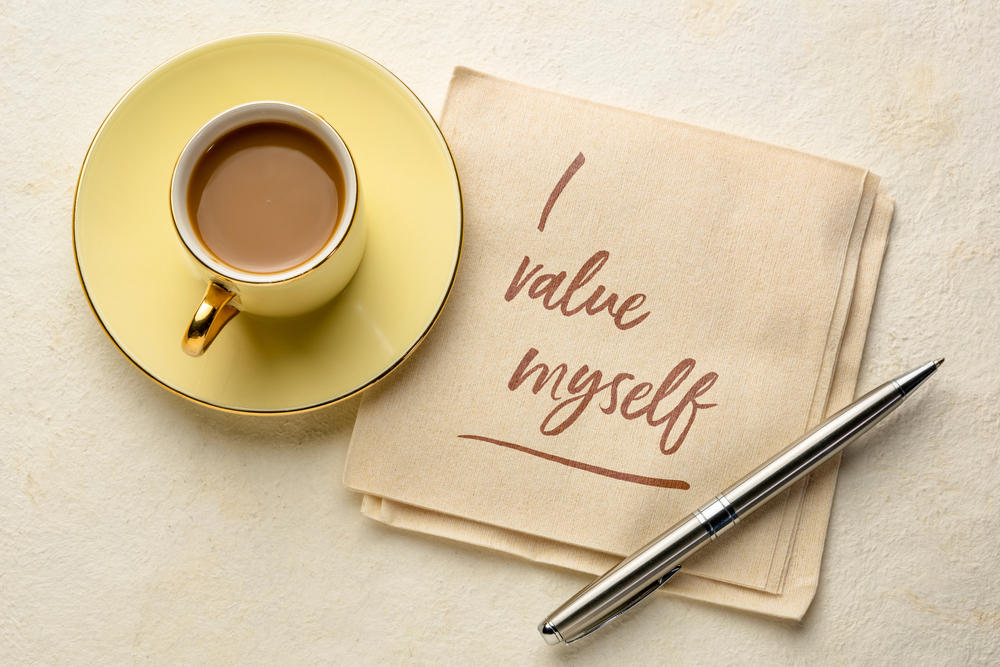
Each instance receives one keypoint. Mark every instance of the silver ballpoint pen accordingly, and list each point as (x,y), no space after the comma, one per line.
(649,568)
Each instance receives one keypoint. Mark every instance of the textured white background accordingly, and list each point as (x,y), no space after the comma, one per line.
(138,528)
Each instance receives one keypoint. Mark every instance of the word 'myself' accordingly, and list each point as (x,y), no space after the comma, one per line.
(585,385)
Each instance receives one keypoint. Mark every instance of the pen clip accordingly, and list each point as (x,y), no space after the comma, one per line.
(639,598)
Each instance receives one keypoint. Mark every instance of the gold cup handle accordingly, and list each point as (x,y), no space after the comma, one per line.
(213,313)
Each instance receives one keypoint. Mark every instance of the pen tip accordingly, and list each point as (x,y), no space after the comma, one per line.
(938,362)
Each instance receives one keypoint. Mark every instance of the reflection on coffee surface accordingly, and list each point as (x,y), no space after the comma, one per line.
(266,197)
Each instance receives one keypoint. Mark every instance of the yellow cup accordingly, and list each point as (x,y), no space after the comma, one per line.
(294,291)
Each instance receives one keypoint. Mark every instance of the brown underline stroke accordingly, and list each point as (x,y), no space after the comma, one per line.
(572,169)
(613,474)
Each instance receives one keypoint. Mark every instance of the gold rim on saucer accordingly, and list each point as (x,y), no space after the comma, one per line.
(142,288)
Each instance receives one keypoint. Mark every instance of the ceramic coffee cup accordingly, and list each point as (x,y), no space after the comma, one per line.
(286,290)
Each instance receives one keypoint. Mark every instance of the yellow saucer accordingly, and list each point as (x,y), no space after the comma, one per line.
(144,292)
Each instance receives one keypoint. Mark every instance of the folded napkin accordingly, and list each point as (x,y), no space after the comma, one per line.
(644,312)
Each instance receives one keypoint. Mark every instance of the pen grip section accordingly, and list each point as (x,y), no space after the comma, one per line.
(812,449)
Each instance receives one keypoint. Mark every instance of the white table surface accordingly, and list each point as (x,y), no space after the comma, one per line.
(139,528)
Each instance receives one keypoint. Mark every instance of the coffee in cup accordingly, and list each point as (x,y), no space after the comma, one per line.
(266,197)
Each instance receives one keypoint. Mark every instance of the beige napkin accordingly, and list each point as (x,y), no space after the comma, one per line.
(644,312)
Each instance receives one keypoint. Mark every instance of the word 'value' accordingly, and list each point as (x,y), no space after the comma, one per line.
(547,285)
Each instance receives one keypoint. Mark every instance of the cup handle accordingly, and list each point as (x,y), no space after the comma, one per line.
(213,313)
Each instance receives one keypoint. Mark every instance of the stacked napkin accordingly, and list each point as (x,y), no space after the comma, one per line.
(644,312)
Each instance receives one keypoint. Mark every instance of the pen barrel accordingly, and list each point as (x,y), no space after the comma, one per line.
(812,449)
